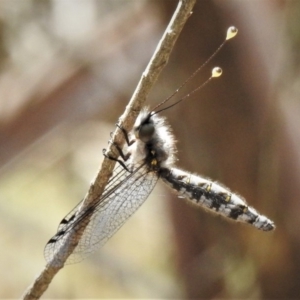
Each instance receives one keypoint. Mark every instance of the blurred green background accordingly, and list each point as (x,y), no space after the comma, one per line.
(67,70)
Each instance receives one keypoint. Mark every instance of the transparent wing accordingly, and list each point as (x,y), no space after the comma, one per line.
(124,194)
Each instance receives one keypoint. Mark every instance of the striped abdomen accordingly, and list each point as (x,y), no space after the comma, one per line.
(214,197)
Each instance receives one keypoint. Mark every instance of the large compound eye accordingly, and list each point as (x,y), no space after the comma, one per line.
(146,132)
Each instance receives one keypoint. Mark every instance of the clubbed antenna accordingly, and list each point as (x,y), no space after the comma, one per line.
(231,33)
(215,73)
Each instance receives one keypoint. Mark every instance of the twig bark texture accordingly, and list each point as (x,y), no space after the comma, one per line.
(148,79)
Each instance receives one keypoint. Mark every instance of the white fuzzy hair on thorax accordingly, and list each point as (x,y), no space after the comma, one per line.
(162,141)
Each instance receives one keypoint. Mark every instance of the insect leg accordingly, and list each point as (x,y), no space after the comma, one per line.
(125,133)
(124,156)
(121,162)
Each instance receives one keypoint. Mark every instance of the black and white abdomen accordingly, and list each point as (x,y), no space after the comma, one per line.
(214,197)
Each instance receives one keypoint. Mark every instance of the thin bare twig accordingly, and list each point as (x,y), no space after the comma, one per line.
(148,79)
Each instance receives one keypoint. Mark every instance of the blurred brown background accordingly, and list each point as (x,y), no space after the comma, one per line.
(67,70)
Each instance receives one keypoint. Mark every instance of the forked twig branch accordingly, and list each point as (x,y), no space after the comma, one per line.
(148,79)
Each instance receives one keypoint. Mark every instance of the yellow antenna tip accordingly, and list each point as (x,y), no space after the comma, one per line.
(216,72)
(231,32)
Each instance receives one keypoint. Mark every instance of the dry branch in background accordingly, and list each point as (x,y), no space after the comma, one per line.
(149,77)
